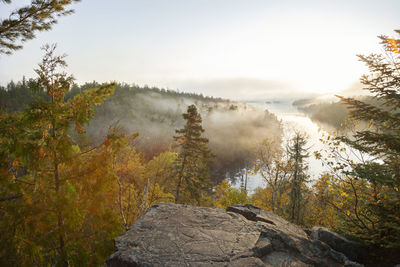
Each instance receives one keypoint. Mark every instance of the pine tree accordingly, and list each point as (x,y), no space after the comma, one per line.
(381,140)
(22,24)
(192,178)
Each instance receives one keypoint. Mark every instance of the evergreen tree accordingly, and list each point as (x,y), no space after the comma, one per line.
(192,178)
(298,153)
(38,145)
(381,140)
(22,24)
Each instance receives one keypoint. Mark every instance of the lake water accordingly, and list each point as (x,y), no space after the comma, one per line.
(292,120)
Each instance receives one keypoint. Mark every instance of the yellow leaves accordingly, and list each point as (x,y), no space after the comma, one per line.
(393,45)
(76,149)
(227,195)
(347,212)
(222,188)
(28,200)
(98,95)
(344,194)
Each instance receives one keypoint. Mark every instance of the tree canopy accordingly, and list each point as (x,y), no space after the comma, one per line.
(194,156)
(380,141)
(23,23)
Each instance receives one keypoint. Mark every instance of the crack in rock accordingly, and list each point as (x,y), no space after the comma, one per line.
(244,235)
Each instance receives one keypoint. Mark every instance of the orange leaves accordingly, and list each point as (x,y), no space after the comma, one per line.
(391,44)
(373,194)
(79,128)
(15,163)
(107,142)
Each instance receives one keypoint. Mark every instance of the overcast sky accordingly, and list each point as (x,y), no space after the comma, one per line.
(241,49)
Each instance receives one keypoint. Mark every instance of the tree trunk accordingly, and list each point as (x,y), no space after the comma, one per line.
(60,219)
(180,177)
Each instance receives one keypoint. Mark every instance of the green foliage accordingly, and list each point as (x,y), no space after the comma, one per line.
(22,24)
(298,152)
(381,140)
(192,176)
(227,196)
(285,172)
(155,113)
(46,218)
(361,195)
(62,199)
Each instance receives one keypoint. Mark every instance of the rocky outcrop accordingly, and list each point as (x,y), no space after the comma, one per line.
(244,235)
(353,250)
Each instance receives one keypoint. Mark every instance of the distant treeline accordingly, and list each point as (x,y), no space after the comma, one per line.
(330,114)
(15,96)
(333,114)
(233,129)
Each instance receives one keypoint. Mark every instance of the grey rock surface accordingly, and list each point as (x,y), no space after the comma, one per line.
(244,235)
(353,250)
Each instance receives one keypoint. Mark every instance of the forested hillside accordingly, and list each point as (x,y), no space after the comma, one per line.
(155,113)
(326,114)
(79,164)
(332,115)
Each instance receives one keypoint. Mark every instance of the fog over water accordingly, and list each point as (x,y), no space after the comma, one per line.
(292,120)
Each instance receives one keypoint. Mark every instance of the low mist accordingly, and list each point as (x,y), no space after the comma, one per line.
(233,129)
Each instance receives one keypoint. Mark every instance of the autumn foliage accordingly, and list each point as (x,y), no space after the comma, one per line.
(64,199)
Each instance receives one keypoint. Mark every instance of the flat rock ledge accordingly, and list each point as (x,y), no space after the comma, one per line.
(244,235)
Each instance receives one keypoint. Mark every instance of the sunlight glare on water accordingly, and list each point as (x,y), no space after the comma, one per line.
(292,120)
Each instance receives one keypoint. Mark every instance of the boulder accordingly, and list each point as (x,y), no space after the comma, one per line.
(353,250)
(244,235)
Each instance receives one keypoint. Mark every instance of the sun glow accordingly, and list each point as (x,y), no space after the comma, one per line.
(313,56)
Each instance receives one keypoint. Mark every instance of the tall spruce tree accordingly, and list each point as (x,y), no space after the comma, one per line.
(192,177)
(298,153)
(381,140)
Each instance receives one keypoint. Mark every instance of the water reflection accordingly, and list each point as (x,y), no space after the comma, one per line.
(292,120)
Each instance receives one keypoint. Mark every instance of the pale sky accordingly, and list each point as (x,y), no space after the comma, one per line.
(240,49)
